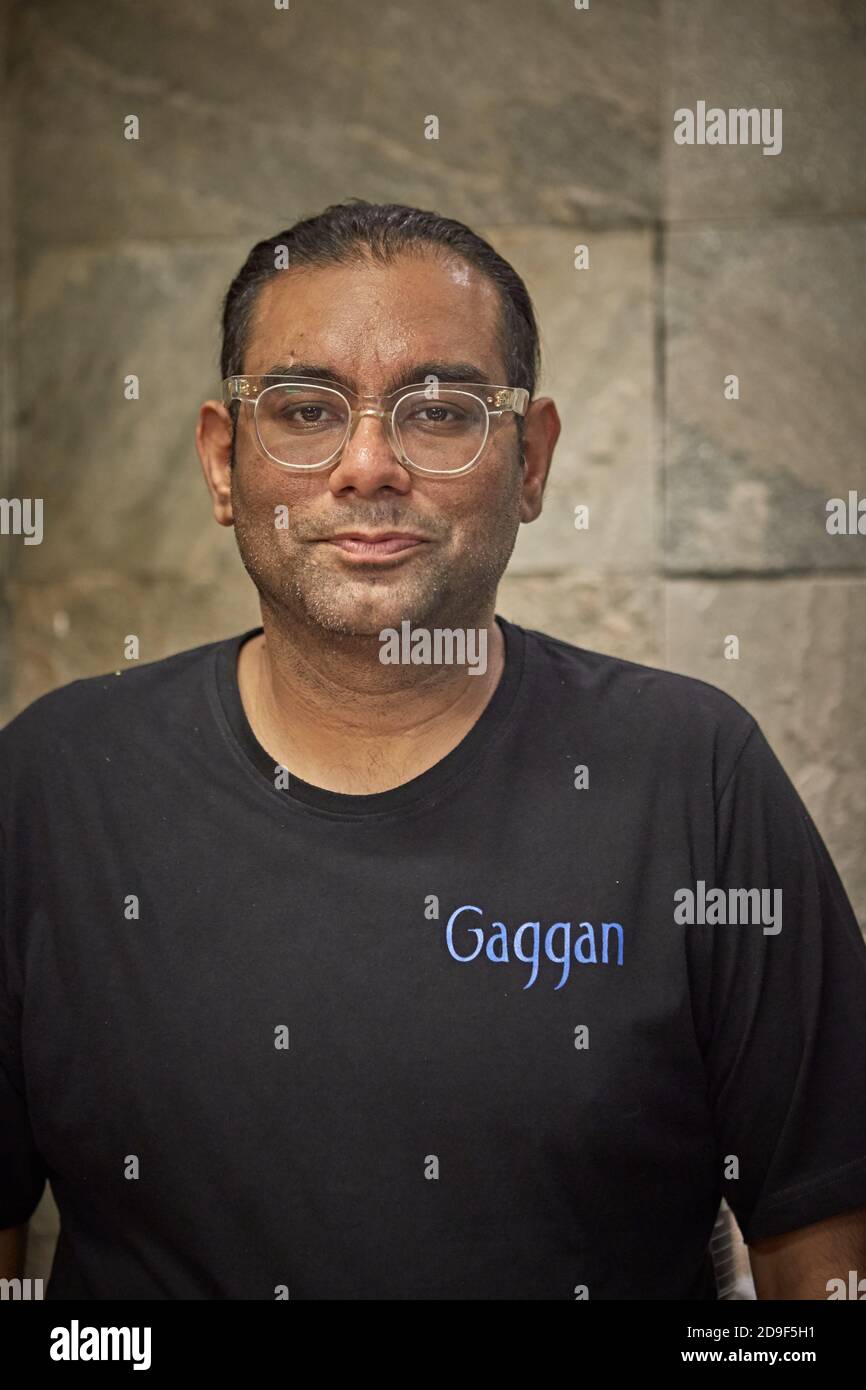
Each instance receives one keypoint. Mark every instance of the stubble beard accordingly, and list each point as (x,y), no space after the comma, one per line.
(435,590)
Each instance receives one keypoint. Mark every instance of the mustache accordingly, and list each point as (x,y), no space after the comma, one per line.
(307,529)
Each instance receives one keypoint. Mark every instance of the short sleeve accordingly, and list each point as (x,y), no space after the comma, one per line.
(22,1169)
(786,1043)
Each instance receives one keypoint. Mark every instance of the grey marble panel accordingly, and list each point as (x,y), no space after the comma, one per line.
(65,630)
(615,613)
(597,334)
(747,481)
(120,479)
(805,57)
(251,117)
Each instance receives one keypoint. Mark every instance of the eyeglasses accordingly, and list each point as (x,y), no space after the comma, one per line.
(303,424)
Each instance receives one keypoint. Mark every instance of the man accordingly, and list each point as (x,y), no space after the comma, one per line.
(391,950)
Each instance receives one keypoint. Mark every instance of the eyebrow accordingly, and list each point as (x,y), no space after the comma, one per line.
(409,376)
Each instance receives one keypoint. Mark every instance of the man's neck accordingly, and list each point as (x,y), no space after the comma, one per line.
(329,711)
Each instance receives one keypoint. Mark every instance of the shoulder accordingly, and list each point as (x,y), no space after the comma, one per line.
(93,708)
(637,702)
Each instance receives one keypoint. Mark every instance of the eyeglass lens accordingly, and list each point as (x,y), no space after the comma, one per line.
(303,425)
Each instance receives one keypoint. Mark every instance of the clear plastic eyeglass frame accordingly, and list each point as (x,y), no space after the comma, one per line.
(498,401)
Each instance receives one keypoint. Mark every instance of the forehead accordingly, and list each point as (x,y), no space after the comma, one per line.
(370,321)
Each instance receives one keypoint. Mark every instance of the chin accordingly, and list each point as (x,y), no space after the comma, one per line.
(363,607)
(353,614)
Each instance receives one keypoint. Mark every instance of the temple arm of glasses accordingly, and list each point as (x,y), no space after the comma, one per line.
(514,398)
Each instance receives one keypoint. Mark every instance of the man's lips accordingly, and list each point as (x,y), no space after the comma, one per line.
(369,545)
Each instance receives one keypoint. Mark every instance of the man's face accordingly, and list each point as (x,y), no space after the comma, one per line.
(377,327)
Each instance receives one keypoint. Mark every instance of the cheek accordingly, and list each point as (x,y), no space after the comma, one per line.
(267,503)
(488,500)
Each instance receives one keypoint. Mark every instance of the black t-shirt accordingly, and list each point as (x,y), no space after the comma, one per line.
(449,1041)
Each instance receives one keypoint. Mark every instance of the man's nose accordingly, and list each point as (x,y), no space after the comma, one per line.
(367,461)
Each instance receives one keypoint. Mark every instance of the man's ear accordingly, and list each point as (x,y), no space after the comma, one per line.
(541,431)
(215,443)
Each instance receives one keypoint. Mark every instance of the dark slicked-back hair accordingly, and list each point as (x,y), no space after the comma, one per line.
(349,232)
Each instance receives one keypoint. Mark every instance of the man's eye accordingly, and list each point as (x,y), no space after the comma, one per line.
(307,413)
(437,414)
